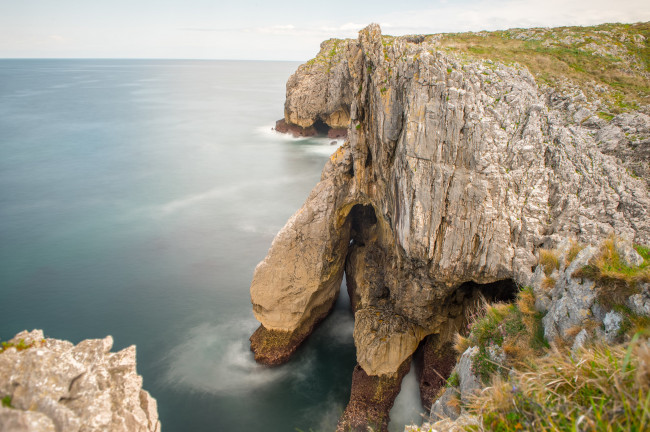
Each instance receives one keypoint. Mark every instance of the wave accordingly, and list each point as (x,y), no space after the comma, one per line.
(408,405)
(322,146)
(217,359)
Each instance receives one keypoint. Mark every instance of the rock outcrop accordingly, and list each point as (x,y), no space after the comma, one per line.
(52,385)
(456,171)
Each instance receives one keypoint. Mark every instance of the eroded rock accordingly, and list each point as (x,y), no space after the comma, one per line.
(54,385)
(455,171)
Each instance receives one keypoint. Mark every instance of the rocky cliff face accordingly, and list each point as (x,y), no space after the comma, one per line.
(52,385)
(456,171)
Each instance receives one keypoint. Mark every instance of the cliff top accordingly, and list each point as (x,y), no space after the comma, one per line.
(609,62)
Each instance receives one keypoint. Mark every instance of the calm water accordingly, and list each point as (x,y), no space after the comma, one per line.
(136,198)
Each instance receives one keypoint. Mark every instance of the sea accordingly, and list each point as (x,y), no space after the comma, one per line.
(136,199)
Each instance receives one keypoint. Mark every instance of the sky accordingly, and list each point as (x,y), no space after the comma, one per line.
(266,30)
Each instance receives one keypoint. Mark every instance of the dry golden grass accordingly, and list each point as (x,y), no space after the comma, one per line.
(574,250)
(602,388)
(548,283)
(549,260)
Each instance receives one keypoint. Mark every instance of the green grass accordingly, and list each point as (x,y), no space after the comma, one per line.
(615,279)
(20,345)
(552,61)
(512,328)
(600,389)
(453,380)
(6,402)
(605,116)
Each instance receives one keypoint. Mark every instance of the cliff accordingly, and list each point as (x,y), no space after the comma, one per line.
(466,155)
(52,385)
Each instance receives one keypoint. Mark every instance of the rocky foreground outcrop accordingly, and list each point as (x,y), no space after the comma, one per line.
(457,170)
(53,385)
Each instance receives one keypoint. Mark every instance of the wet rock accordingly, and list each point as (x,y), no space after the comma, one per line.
(371,399)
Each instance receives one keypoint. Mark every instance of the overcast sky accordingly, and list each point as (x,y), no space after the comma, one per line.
(266,30)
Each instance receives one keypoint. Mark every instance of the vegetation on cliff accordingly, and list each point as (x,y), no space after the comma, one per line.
(600,388)
(601,383)
(609,60)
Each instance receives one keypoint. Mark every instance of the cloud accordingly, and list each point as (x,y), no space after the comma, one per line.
(56,38)
(501,15)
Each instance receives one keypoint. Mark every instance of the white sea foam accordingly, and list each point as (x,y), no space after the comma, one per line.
(408,406)
(217,359)
(322,146)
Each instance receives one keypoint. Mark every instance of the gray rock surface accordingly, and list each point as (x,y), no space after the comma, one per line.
(466,168)
(57,386)
(640,303)
(571,300)
(457,170)
(627,252)
(612,324)
(447,405)
(469,383)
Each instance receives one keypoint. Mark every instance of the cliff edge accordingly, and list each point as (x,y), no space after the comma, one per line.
(53,385)
(464,158)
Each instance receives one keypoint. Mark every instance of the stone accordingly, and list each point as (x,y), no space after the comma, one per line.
(57,386)
(572,299)
(469,382)
(627,252)
(461,424)
(437,362)
(447,406)
(640,303)
(454,172)
(612,323)
(580,340)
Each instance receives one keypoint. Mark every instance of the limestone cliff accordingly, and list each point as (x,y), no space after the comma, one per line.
(457,170)
(52,385)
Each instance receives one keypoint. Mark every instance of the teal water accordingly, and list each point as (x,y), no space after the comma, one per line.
(136,198)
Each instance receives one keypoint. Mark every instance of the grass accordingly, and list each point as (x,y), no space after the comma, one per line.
(20,345)
(514,329)
(603,388)
(615,279)
(573,252)
(549,260)
(453,380)
(6,402)
(552,60)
